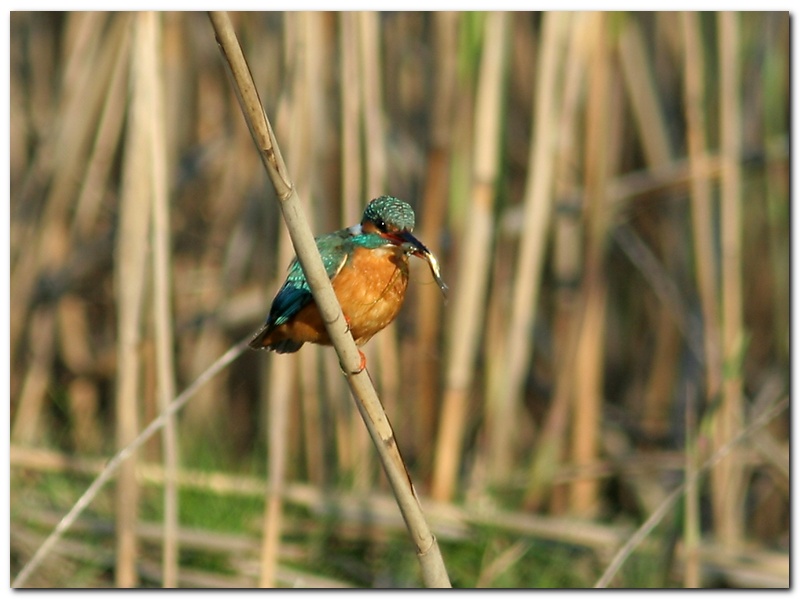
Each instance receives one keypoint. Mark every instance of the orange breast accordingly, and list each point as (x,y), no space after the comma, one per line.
(370,287)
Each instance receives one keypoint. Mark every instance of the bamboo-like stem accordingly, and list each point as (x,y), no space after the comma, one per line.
(371,102)
(130,284)
(655,518)
(433,570)
(538,202)
(278,410)
(427,364)
(691,521)
(703,234)
(162,290)
(374,140)
(567,267)
(731,413)
(588,389)
(701,202)
(350,104)
(775,81)
(295,121)
(474,267)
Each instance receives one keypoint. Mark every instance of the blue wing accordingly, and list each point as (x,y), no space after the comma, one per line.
(296,293)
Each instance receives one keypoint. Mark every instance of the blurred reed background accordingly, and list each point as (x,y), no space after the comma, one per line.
(608,194)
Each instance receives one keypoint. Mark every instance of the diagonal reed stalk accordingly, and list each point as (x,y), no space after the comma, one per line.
(120,457)
(655,518)
(434,573)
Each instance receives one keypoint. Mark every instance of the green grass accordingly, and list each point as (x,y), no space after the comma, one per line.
(369,557)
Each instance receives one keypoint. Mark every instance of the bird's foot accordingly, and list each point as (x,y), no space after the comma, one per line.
(362,365)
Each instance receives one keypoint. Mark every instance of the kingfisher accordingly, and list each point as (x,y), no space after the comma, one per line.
(368,268)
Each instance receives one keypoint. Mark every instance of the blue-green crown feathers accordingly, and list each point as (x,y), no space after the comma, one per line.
(393,213)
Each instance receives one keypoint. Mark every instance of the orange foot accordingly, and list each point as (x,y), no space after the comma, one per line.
(362,365)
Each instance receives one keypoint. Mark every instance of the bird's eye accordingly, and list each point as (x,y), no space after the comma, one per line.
(381,224)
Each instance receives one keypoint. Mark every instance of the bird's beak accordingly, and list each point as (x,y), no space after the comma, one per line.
(412,245)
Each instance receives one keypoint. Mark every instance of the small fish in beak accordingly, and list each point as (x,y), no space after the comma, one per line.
(413,246)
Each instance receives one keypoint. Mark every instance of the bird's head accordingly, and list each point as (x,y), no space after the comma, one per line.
(393,220)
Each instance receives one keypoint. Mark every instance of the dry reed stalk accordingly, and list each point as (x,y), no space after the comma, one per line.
(177,76)
(106,142)
(204,415)
(655,518)
(59,162)
(653,134)
(703,226)
(131,265)
(775,81)
(374,149)
(74,339)
(19,95)
(732,485)
(44,83)
(567,260)
(661,283)
(237,547)
(84,401)
(150,40)
(473,276)
(312,422)
(351,445)
(352,199)
(588,390)
(81,36)
(352,509)
(691,523)
(27,427)
(643,93)
(673,177)
(150,531)
(502,563)
(760,569)
(281,380)
(318,83)
(75,348)
(701,201)
(636,69)
(295,121)
(110,467)
(537,201)
(434,573)
(368,31)
(426,362)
